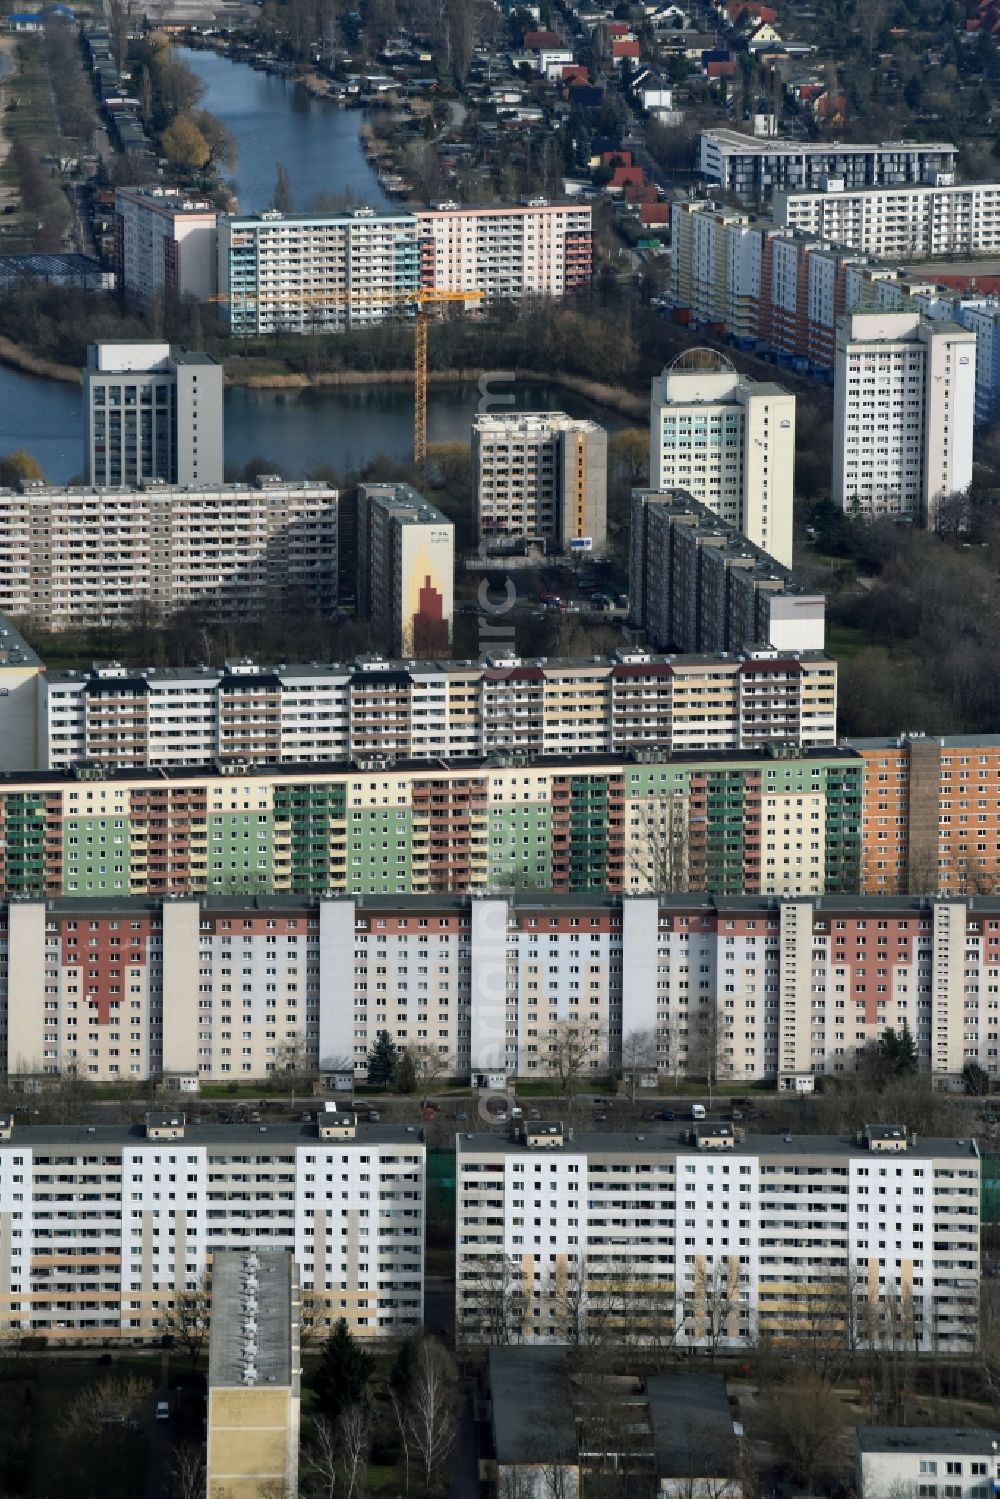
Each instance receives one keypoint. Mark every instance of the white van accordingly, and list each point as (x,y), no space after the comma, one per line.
(697,1111)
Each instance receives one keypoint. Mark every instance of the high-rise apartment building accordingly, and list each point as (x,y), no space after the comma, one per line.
(541,477)
(903,414)
(133,716)
(697,584)
(696,1238)
(730,443)
(298,273)
(632,821)
(294,273)
(254,1374)
(101,1226)
(91,556)
(406,569)
(21,675)
(164,243)
(510,251)
(152,411)
(916,221)
(780,988)
(754,168)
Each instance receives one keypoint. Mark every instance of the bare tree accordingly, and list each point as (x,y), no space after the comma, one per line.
(434,1410)
(187,1471)
(321,1457)
(353,1441)
(707,1054)
(499,1302)
(294,1066)
(638,1056)
(571,1048)
(401,1410)
(657,849)
(314,1318)
(710,1305)
(188,1317)
(117,1399)
(432,1065)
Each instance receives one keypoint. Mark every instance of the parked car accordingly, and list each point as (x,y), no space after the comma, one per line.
(667,1115)
(163,1410)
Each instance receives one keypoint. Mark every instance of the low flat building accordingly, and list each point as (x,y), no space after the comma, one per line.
(254,1375)
(962,1462)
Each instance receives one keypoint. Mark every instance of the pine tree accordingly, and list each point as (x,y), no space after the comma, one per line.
(344,1373)
(383,1059)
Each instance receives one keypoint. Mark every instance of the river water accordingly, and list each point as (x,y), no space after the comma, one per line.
(341,427)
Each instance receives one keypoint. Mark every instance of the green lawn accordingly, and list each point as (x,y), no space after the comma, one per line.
(843,642)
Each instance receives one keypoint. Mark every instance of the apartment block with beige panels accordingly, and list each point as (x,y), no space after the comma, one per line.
(254,1375)
(77,556)
(699,1237)
(132,716)
(541,477)
(101,1226)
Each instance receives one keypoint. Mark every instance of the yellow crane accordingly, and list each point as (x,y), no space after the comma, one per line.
(420,298)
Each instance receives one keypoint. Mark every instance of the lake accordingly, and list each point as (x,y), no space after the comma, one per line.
(343,427)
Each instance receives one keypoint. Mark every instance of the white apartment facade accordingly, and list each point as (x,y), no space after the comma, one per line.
(541,477)
(227,988)
(507,252)
(960,1462)
(89,556)
(917,221)
(730,443)
(698,1239)
(754,168)
(165,243)
(292,273)
(903,414)
(102,1226)
(141,717)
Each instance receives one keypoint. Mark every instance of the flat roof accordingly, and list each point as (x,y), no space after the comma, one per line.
(263,1135)
(692,1425)
(959,1439)
(899,188)
(736,140)
(674,1140)
(253,1331)
(533,1420)
(465,766)
(14,649)
(371,673)
(524,901)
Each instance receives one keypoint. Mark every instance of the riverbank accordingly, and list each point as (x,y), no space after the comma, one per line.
(22,359)
(626,403)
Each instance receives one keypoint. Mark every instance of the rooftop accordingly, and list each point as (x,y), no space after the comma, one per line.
(736,140)
(368,673)
(974,1440)
(266,1136)
(315,770)
(407,504)
(253,1339)
(533,1417)
(670,1140)
(692,1425)
(14,649)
